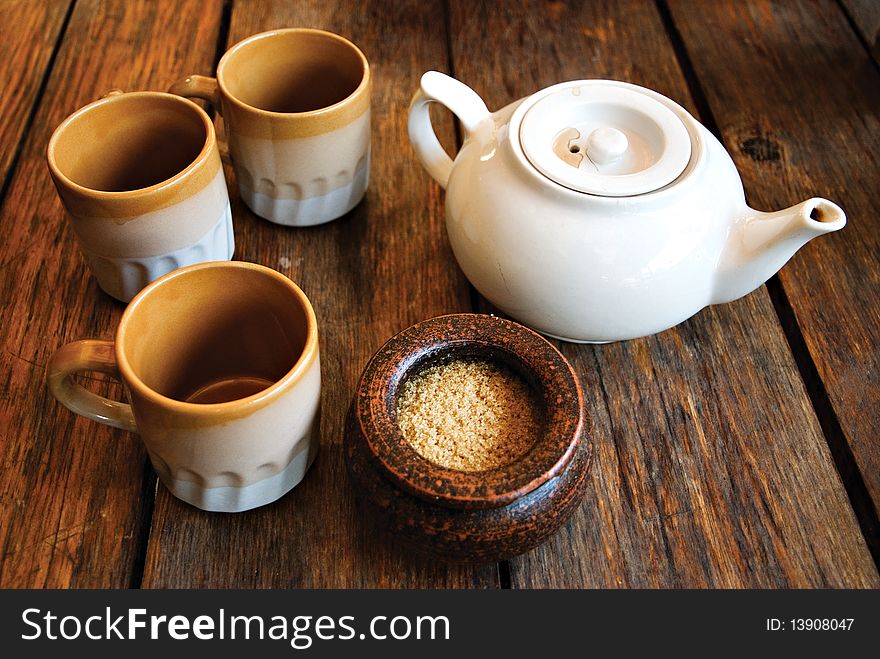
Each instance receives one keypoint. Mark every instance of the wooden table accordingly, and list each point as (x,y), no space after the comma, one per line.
(739,449)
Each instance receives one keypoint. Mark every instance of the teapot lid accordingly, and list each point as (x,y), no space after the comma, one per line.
(604,138)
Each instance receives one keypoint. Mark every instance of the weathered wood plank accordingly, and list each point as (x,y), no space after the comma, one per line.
(369,275)
(30,30)
(815,101)
(72,490)
(710,468)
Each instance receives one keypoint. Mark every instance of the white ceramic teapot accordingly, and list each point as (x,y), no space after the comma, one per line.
(597,210)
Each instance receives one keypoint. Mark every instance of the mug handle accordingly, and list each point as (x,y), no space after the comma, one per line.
(461,100)
(196,86)
(207,89)
(88,355)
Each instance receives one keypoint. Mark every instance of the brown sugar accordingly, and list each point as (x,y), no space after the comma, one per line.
(468,414)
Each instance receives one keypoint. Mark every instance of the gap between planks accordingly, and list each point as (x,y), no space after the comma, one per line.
(862,36)
(35,105)
(844,462)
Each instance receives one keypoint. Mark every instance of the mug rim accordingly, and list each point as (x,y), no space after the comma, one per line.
(232,52)
(239,406)
(119,195)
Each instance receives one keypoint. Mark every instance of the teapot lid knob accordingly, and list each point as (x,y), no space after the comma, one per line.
(603,137)
(606,145)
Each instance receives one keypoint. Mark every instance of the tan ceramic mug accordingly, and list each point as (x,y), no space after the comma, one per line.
(220,362)
(296,106)
(140,176)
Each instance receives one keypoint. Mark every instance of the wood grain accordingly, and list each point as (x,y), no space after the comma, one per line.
(819,107)
(30,30)
(710,469)
(369,275)
(73,495)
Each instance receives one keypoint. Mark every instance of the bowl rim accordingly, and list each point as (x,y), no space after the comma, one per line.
(477,335)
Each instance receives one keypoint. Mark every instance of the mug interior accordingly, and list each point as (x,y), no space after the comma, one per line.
(129,142)
(292,71)
(215,333)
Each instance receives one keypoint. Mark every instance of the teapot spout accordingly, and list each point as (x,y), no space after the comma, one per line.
(759,244)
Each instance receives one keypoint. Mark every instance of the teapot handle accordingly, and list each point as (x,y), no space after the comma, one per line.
(461,100)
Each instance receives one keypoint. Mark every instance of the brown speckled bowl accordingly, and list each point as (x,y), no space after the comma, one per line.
(468,516)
